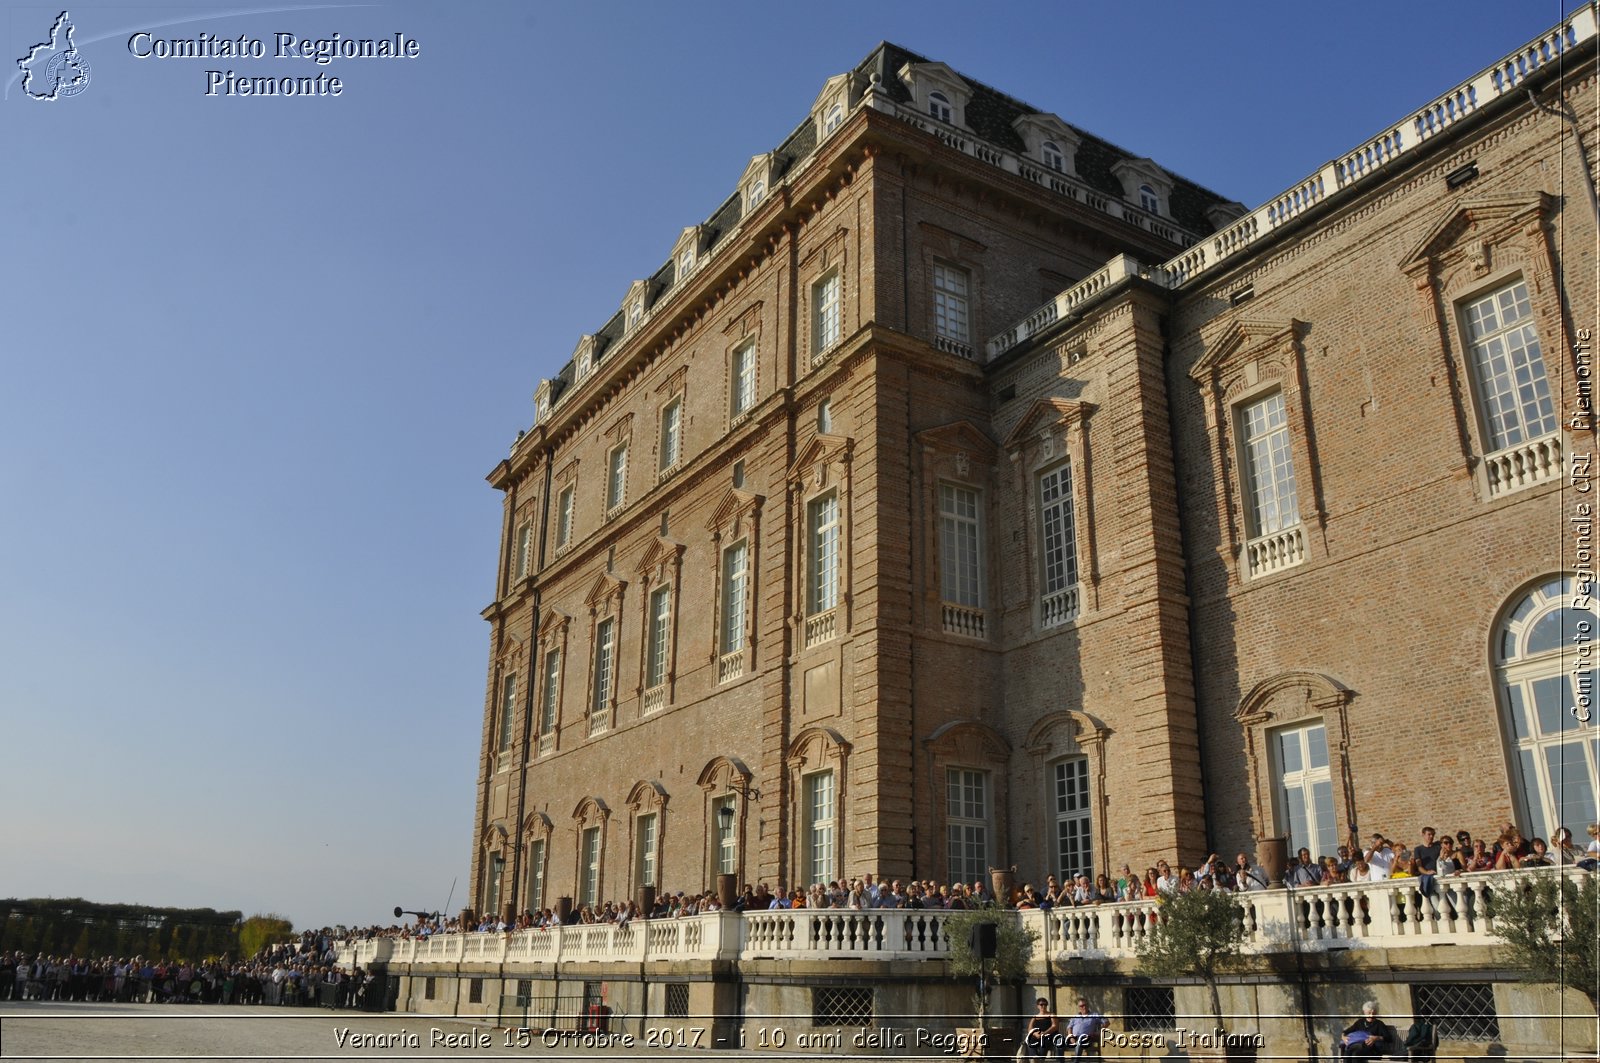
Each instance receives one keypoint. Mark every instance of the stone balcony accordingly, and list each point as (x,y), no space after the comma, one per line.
(1374,915)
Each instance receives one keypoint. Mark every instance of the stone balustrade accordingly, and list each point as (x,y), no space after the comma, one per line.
(1525,465)
(1389,914)
(1276,551)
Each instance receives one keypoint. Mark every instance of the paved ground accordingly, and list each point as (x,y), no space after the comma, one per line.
(150,1032)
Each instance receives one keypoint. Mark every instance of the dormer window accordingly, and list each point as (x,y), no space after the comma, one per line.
(685,262)
(833,120)
(1053,159)
(1149,200)
(939,106)
(635,314)
(758,192)
(585,365)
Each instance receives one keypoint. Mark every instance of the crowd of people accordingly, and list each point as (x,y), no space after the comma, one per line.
(304,972)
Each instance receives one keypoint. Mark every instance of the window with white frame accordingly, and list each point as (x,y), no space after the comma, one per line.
(535,893)
(758,192)
(1149,200)
(564,507)
(818,794)
(644,861)
(825,321)
(961,545)
(1053,157)
(724,817)
(822,542)
(549,700)
(685,262)
(524,549)
(1269,466)
(1555,754)
(508,709)
(660,625)
(635,314)
(735,574)
(605,654)
(939,106)
(589,886)
(967,822)
(492,875)
(1058,542)
(1303,787)
(833,120)
(1073,817)
(616,478)
(742,380)
(1508,368)
(671,433)
(950,302)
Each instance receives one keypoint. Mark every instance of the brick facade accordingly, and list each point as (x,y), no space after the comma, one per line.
(1167,667)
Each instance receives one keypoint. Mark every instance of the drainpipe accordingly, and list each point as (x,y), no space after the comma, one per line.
(1564,112)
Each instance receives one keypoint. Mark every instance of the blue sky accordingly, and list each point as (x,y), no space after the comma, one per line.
(259,354)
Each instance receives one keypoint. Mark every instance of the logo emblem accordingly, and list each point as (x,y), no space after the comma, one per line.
(55,68)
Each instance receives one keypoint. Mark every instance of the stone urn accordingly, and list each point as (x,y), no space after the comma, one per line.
(1273,856)
(1001,882)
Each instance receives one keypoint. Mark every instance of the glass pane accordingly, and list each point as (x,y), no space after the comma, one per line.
(1548,695)
(1294,806)
(1557,627)
(1519,713)
(1572,780)
(1289,759)
(1532,798)
(1317,739)
(1325,841)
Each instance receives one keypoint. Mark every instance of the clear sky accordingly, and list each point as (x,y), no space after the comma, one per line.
(259,354)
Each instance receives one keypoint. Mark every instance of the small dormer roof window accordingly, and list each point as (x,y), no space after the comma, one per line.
(757,192)
(635,314)
(937,91)
(833,119)
(939,106)
(833,103)
(685,262)
(1144,184)
(756,182)
(1050,140)
(1149,200)
(1051,151)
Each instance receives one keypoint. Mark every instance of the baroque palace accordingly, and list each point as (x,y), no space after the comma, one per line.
(965,493)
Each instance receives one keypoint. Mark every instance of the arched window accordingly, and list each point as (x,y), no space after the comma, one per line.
(939,106)
(834,119)
(1149,200)
(1548,699)
(1052,156)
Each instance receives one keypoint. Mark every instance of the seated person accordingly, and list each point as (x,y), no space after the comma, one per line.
(1367,1036)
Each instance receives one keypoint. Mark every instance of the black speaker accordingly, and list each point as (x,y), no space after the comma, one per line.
(983,941)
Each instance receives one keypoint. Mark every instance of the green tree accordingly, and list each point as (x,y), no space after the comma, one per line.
(1197,935)
(259,931)
(1549,926)
(1013,951)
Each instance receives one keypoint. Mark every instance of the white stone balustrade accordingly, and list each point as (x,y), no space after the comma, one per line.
(1276,551)
(964,620)
(821,627)
(1059,608)
(1530,463)
(1390,914)
(730,666)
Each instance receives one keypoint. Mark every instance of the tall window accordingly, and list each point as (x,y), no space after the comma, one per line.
(1073,817)
(508,709)
(1269,464)
(967,819)
(950,302)
(1556,754)
(1058,531)
(589,887)
(604,664)
(758,192)
(1053,157)
(735,568)
(635,314)
(960,546)
(491,886)
(548,701)
(939,106)
(616,478)
(685,262)
(1304,788)
(1508,368)
(564,516)
(822,593)
(671,433)
(817,792)
(644,864)
(742,386)
(723,821)
(825,327)
(535,875)
(524,549)
(655,665)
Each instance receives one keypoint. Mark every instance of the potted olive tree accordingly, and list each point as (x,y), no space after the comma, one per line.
(1197,935)
(1013,949)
